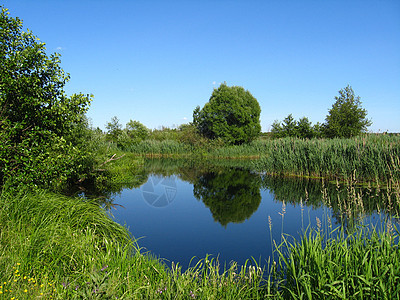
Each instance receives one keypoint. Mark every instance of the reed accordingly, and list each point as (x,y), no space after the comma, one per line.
(365,158)
(361,265)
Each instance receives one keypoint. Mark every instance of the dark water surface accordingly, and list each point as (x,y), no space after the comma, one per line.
(180,213)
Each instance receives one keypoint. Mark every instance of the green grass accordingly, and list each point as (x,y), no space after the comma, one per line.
(361,265)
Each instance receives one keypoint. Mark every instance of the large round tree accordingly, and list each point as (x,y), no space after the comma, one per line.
(232,114)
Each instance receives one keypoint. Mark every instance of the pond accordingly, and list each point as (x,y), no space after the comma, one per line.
(182,211)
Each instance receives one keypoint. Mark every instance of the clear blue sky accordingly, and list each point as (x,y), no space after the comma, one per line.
(155,61)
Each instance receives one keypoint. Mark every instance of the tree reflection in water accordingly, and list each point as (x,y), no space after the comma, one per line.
(232,195)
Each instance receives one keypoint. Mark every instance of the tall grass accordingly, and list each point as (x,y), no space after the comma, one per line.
(160,148)
(367,158)
(362,265)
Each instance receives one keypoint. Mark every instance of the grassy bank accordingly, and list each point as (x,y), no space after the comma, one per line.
(60,247)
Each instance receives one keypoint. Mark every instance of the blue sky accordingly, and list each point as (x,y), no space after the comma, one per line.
(155,61)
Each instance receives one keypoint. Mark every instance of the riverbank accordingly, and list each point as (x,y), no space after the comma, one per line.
(62,247)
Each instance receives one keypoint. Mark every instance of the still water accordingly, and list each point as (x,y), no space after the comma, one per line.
(182,213)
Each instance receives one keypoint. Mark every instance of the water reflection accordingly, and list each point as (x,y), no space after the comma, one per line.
(348,202)
(232,195)
(231,191)
(223,210)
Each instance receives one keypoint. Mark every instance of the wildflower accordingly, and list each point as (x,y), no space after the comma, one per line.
(192,294)
(105,267)
(25,291)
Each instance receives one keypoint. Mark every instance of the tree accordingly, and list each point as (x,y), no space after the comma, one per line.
(304,128)
(346,118)
(232,114)
(114,129)
(289,126)
(37,119)
(292,128)
(137,131)
(277,130)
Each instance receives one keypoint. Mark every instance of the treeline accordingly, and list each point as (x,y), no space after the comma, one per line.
(345,119)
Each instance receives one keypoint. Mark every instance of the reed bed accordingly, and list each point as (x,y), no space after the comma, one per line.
(159,148)
(365,158)
(361,265)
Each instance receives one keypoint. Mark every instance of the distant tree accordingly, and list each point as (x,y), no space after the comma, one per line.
(232,114)
(40,127)
(277,130)
(292,128)
(317,130)
(304,128)
(114,129)
(289,126)
(137,131)
(346,118)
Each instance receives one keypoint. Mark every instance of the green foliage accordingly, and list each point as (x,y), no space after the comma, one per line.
(346,118)
(137,131)
(37,119)
(189,134)
(114,129)
(292,128)
(231,114)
